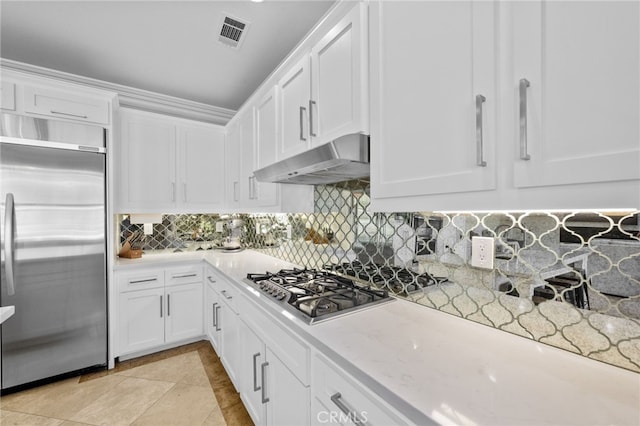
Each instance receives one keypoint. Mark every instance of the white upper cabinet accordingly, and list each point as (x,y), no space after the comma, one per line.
(433,98)
(202,175)
(505,105)
(7,95)
(325,94)
(63,104)
(169,165)
(580,111)
(256,194)
(232,161)
(147,162)
(339,79)
(295,92)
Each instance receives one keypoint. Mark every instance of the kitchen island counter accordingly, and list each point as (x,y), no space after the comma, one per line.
(429,364)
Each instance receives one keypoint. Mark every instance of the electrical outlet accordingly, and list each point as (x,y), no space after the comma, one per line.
(483,252)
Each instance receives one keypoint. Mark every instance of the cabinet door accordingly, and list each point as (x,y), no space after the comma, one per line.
(582,62)
(252,357)
(340,81)
(266,194)
(202,167)
(212,318)
(183,312)
(289,402)
(7,95)
(232,159)
(148,163)
(253,193)
(247,156)
(62,104)
(141,320)
(295,93)
(229,325)
(430,62)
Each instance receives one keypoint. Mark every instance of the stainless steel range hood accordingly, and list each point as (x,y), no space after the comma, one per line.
(343,159)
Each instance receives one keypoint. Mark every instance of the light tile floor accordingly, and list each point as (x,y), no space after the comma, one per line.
(181,386)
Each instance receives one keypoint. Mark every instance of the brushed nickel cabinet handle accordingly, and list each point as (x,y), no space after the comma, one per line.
(336,399)
(263,371)
(214,316)
(479,130)
(211,280)
(224,293)
(302,111)
(312,103)
(524,83)
(183,276)
(168,305)
(10,243)
(148,280)
(256,388)
(69,114)
(216,312)
(160,306)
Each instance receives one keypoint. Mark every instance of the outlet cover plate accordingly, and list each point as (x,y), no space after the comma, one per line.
(483,252)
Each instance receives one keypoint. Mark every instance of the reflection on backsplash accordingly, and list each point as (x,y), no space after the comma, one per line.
(570,280)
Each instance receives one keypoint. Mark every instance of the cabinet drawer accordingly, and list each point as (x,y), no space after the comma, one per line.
(228,294)
(140,279)
(292,351)
(61,104)
(8,96)
(184,275)
(334,392)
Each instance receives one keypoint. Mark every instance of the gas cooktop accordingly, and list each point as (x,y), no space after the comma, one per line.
(400,281)
(317,295)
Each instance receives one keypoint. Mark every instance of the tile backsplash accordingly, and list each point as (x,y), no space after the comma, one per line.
(570,280)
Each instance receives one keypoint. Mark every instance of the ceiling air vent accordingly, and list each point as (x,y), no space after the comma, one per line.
(232,31)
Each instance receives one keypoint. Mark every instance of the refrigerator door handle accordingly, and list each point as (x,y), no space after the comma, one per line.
(9,243)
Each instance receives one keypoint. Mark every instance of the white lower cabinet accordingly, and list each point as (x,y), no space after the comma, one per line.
(222,322)
(274,389)
(337,398)
(158,307)
(141,320)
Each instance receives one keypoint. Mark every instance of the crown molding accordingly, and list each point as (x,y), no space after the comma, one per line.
(133,98)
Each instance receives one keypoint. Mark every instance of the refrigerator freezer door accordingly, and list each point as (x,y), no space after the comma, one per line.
(60,321)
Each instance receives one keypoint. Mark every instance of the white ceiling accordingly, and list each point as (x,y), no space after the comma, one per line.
(168,47)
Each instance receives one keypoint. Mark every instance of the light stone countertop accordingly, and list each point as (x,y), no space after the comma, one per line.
(429,364)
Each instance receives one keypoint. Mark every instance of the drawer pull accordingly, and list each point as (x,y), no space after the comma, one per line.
(336,399)
(160,306)
(168,305)
(256,388)
(214,315)
(224,293)
(69,115)
(263,369)
(147,280)
(183,276)
(211,280)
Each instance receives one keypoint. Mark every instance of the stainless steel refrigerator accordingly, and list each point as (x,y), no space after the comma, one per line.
(52,232)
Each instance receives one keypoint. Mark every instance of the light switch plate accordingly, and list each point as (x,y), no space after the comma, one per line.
(483,251)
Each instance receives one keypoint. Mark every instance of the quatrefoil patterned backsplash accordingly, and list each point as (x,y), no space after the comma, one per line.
(570,280)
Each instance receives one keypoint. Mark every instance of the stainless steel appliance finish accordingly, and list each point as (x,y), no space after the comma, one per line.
(315,295)
(52,211)
(343,159)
